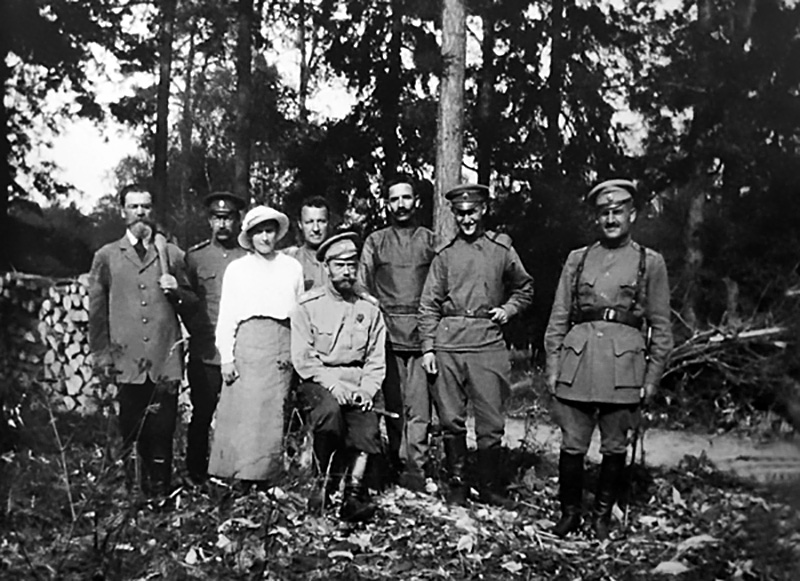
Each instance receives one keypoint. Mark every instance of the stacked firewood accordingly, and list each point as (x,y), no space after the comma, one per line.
(48,341)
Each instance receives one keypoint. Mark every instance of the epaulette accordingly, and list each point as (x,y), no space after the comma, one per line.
(311,294)
(199,245)
(503,240)
(366,296)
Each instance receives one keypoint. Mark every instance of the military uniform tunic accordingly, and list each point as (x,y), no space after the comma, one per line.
(466,280)
(394,264)
(314,274)
(339,342)
(205,264)
(604,361)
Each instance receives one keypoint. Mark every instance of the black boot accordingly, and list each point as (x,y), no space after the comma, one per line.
(327,456)
(160,477)
(356,506)
(455,448)
(491,477)
(570,493)
(607,485)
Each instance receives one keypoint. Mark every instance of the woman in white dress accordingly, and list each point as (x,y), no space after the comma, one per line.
(259,291)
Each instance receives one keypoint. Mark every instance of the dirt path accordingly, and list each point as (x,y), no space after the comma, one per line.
(767,462)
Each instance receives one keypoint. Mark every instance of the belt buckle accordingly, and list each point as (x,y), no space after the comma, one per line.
(610,315)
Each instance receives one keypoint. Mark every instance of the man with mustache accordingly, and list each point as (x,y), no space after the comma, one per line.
(611,295)
(338,350)
(205,264)
(476,283)
(313,225)
(138,285)
(394,264)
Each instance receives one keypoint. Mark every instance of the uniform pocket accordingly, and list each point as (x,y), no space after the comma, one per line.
(571,353)
(323,340)
(629,361)
(204,273)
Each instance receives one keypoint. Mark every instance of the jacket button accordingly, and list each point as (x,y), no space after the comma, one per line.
(146,339)
(144,303)
(144,320)
(142,286)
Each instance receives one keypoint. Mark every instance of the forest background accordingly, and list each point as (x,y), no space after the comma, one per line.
(696,100)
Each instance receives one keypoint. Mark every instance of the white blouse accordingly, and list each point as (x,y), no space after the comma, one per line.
(254,286)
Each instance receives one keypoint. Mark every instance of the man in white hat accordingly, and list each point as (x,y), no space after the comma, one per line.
(338,350)
(599,366)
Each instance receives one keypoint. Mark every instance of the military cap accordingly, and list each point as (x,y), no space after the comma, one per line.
(342,246)
(256,216)
(611,192)
(467,196)
(223,203)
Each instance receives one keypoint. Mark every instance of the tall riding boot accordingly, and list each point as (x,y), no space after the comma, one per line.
(356,506)
(160,476)
(325,449)
(570,493)
(455,448)
(491,477)
(607,485)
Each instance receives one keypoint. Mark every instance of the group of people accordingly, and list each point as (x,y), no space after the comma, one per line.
(389,328)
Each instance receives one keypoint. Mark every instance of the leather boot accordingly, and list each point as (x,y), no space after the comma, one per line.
(325,450)
(491,478)
(607,484)
(455,448)
(570,493)
(356,506)
(160,477)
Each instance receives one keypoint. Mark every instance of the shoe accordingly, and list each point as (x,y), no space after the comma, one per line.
(570,493)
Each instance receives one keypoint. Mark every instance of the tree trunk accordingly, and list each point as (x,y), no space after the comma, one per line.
(167,33)
(387,92)
(244,99)
(555,84)
(187,122)
(486,121)
(449,141)
(302,93)
(5,174)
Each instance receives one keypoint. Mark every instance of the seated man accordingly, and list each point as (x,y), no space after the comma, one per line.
(338,350)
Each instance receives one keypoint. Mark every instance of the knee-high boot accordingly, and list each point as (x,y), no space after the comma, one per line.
(491,477)
(326,454)
(455,448)
(570,493)
(356,506)
(607,485)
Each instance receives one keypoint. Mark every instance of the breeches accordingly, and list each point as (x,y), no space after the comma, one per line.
(347,424)
(480,377)
(577,421)
(405,391)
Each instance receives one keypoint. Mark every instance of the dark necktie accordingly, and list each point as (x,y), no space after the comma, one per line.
(140,249)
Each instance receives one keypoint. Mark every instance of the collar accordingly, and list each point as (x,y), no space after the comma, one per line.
(131,238)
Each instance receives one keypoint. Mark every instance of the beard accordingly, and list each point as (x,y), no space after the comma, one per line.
(345,286)
(141,230)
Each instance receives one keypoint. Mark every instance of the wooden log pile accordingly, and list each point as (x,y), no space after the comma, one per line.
(46,327)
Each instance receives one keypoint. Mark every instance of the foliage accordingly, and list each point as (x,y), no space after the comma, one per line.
(689,519)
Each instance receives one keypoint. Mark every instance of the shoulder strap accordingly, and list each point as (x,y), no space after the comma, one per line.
(574,307)
(640,274)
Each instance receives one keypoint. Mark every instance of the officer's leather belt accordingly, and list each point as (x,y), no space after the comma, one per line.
(401,309)
(611,315)
(479,313)
(358,364)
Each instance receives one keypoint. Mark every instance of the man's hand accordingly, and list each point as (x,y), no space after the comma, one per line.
(340,394)
(551,381)
(429,363)
(647,392)
(362,400)
(229,373)
(168,283)
(499,315)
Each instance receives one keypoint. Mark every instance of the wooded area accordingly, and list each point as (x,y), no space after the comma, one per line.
(696,100)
